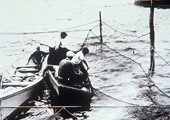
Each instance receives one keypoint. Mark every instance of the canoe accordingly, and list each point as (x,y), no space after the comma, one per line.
(70,95)
(18,88)
(160,3)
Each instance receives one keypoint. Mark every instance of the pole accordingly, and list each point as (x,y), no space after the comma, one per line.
(152,39)
(101,38)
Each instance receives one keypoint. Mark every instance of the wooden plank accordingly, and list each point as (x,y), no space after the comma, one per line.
(27,66)
(21,84)
(31,70)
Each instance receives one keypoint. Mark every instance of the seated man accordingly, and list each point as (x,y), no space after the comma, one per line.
(79,67)
(65,70)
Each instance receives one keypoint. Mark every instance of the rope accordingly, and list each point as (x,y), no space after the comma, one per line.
(149,77)
(160,67)
(87,37)
(80,25)
(50,31)
(157,70)
(95,27)
(114,98)
(125,33)
(150,80)
(126,57)
(25,33)
(167,63)
(162,58)
(95,35)
(81,46)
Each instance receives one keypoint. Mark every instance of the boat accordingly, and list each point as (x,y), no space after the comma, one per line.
(69,94)
(18,85)
(158,3)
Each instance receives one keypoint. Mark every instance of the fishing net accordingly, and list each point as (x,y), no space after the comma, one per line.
(119,65)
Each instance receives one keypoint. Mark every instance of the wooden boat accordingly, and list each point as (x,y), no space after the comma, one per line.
(163,3)
(70,95)
(17,88)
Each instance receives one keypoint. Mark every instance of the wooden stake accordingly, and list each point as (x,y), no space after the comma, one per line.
(152,39)
(101,38)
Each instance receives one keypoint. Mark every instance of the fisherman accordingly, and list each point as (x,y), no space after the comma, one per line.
(63,35)
(37,57)
(65,70)
(59,53)
(80,65)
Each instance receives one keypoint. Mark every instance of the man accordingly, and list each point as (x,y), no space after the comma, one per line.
(78,59)
(37,57)
(65,70)
(62,36)
(56,55)
(79,64)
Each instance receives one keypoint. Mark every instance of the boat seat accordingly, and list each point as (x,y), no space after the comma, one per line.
(28,70)
(16,84)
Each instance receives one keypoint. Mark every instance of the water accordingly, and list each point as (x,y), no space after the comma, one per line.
(110,72)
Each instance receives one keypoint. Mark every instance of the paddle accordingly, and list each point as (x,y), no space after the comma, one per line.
(40,43)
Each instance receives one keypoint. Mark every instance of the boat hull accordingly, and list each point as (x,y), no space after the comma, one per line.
(10,102)
(16,89)
(67,95)
(158,3)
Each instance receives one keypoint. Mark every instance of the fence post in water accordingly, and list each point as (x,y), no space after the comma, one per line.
(101,38)
(152,39)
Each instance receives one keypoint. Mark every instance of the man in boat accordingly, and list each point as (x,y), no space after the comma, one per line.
(80,66)
(59,53)
(65,70)
(37,57)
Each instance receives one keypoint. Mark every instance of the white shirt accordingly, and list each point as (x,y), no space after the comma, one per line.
(54,43)
(78,58)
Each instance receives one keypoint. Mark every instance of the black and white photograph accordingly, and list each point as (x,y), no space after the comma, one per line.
(85,60)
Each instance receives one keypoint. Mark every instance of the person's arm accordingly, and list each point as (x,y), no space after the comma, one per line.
(86,64)
(29,59)
(60,44)
(45,53)
(43,57)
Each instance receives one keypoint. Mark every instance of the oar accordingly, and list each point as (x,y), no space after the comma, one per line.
(40,43)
